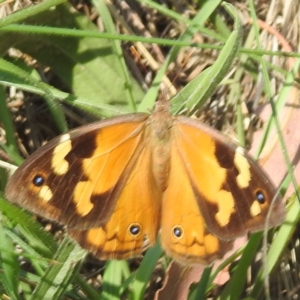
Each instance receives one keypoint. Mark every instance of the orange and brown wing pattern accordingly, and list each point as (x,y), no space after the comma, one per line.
(135,221)
(233,193)
(184,234)
(116,183)
(77,178)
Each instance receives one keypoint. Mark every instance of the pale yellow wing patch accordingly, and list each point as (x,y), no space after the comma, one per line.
(59,165)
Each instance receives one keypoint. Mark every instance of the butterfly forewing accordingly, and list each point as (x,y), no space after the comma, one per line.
(233,192)
(76,178)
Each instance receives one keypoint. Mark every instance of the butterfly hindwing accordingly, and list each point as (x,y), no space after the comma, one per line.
(135,221)
(184,234)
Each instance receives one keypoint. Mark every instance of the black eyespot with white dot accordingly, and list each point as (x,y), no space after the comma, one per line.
(38,180)
(260,197)
(135,229)
(177,231)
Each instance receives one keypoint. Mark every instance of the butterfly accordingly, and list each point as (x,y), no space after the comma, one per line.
(120,183)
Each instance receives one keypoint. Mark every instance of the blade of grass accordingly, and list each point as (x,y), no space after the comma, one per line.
(43,241)
(196,93)
(112,279)
(268,268)
(12,75)
(110,27)
(144,272)
(25,13)
(235,286)
(274,116)
(9,264)
(5,117)
(151,96)
(200,291)
(53,106)
(207,8)
(278,245)
(61,272)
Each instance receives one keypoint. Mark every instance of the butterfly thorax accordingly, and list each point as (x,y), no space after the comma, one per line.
(161,121)
(160,127)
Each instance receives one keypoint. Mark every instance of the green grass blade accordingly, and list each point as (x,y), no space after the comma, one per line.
(29,12)
(9,265)
(110,27)
(235,286)
(196,93)
(5,117)
(151,96)
(143,274)
(278,245)
(200,291)
(112,279)
(61,272)
(7,68)
(43,242)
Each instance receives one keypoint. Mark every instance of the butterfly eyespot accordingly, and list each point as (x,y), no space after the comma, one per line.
(38,180)
(135,229)
(260,197)
(178,231)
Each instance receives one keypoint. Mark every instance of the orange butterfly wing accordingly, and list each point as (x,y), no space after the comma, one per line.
(215,194)
(184,234)
(135,221)
(76,179)
(233,192)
